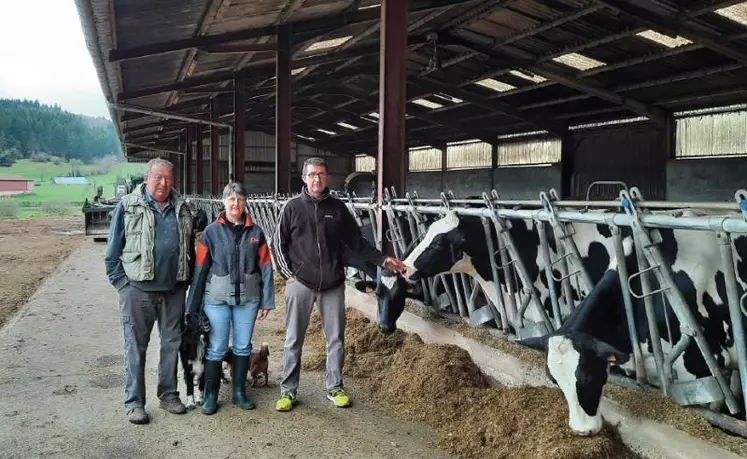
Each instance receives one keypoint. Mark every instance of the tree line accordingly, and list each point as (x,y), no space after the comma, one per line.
(30,128)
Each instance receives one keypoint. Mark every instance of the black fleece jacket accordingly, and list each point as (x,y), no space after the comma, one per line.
(308,241)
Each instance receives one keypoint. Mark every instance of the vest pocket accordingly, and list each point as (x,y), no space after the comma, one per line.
(252,287)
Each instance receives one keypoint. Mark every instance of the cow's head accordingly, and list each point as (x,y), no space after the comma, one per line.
(391,292)
(578,363)
(440,251)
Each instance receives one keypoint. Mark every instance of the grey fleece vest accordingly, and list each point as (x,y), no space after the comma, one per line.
(139,230)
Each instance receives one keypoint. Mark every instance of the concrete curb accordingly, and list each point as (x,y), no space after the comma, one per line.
(652,439)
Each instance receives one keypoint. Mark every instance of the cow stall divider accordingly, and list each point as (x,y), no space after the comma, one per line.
(507,306)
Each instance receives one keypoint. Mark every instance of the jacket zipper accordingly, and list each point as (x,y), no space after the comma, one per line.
(318,245)
(236,240)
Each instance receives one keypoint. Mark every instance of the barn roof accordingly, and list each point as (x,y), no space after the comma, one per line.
(70,181)
(14,178)
(476,69)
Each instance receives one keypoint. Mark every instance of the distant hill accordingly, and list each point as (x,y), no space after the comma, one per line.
(29,128)
(97,121)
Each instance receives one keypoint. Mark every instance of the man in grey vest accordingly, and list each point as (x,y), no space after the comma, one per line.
(148,261)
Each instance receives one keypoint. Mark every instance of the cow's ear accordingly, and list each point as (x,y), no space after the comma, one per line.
(609,353)
(536,342)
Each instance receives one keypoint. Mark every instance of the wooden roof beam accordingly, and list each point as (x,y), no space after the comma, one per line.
(669,24)
(311,26)
(260,70)
(521,59)
(239,48)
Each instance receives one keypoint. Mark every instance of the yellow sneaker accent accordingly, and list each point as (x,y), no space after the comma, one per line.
(285,402)
(339,397)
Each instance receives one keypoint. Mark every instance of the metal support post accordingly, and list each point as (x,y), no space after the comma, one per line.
(565,234)
(215,185)
(545,250)
(392,153)
(236,169)
(500,307)
(528,289)
(283,110)
(622,270)
(737,324)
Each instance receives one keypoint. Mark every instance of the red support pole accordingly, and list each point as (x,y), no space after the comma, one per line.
(283,109)
(239,125)
(199,161)
(392,158)
(188,160)
(179,165)
(214,149)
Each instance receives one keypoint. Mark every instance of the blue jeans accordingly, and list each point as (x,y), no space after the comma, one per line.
(221,317)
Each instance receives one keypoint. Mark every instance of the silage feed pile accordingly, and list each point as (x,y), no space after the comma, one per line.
(441,386)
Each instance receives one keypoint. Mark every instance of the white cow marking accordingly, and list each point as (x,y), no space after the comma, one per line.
(562,361)
(388,281)
(448,223)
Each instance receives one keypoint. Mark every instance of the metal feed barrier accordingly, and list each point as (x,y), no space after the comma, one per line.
(407,221)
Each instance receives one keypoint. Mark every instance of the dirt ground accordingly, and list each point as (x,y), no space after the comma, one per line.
(29,251)
(62,386)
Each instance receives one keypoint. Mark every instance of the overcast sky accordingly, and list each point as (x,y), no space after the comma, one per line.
(43,56)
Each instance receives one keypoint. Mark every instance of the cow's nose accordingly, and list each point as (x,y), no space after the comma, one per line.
(588,432)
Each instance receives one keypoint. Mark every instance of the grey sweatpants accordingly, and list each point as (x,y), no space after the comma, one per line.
(299,302)
(138,311)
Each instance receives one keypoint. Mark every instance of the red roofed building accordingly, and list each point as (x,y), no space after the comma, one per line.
(15,184)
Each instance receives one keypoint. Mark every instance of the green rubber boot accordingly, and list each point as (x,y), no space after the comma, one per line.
(240,369)
(212,386)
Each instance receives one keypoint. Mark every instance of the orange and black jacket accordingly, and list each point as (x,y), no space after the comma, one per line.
(232,266)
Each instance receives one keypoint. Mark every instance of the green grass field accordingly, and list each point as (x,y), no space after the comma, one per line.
(50,199)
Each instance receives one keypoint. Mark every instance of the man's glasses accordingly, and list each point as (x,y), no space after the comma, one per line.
(314,175)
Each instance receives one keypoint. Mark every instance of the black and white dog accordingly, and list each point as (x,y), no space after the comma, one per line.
(192,353)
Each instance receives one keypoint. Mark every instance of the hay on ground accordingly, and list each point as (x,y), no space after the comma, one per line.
(442,386)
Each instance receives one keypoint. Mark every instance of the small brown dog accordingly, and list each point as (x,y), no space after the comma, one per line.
(258,364)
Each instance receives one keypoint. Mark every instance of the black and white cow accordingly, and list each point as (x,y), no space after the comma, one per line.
(391,290)
(596,332)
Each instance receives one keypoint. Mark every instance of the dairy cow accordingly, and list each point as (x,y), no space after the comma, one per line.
(597,331)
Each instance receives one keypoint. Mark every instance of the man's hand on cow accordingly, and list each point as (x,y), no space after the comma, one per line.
(393,264)
(263,313)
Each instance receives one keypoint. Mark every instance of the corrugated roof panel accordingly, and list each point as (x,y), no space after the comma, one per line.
(142,23)
(534,78)
(495,85)
(737,13)
(664,40)
(579,61)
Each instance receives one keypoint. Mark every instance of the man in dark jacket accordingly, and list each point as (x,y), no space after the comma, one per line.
(307,247)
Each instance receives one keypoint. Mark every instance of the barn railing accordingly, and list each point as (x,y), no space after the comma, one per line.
(407,219)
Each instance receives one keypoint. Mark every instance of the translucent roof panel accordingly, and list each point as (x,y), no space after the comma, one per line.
(578,61)
(326,44)
(347,125)
(495,85)
(737,13)
(427,103)
(533,78)
(669,42)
